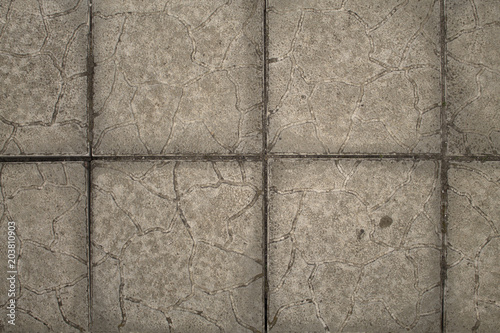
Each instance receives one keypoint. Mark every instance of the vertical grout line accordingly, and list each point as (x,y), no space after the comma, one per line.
(88,166)
(444,230)
(265,165)
(90,136)
(90,83)
(444,164)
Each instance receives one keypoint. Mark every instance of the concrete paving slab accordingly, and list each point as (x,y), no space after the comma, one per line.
(44,204)
(177,247)
(354,246)
(472,294)
(178,77)
(473,77)
(43,70)
(354,77)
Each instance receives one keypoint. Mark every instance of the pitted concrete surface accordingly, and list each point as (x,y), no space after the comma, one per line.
(472,75)
(353,77)
(178,77)
(189,247)
(48,202)
(249,166)
(473,250)
(346,254)
(43,60)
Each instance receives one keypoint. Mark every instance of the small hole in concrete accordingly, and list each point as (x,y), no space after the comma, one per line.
(361,233)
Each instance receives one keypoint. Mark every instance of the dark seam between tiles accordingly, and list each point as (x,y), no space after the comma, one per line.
(358,156)
(90,84)
(90,143)
(475,158)
(185,157)
(243,157)
(265,163)
(444,165)
(88,167)
(443,227)
(265,219)
(33,159)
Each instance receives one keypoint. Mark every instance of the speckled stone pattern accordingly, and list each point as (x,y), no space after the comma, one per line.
(472,289)
(177,76)
(253,166)
(346,254)
(473,76)
(376,64)
(48,202)
(177,246)
(43,75)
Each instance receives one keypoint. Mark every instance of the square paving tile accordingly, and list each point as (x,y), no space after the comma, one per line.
(354,76)
(177,247)
(473,77)
(43,65)
(472,293)
(354,246)
(47,202)
(176,77)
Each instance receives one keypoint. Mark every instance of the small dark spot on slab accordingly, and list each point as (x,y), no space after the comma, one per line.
(385,222)
(271,60)
(361,233)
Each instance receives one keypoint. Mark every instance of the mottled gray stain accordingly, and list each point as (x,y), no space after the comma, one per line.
(385,222)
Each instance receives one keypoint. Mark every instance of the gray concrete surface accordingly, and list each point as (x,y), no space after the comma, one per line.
(176,77)
(472,294)
(43,65)
(473,77)
(354,246)
(251,166)
(177,247)
(48,203)
(354,77)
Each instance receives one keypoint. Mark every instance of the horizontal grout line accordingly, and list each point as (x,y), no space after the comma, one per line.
(353,156)
(248,157)
(38,158)
(200,157)
(477,158)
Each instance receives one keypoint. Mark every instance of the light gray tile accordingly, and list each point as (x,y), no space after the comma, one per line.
(354,246)
(354,77)
(177,247)
(473,77)
(43,70)
(178,77)
(472,294)
(47,202)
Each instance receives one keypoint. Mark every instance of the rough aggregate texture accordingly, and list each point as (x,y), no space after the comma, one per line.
(354,77)
(179,242)
(175,77)
(357,251)
(52,279)
(43,70)
(472,295)
(252,166)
